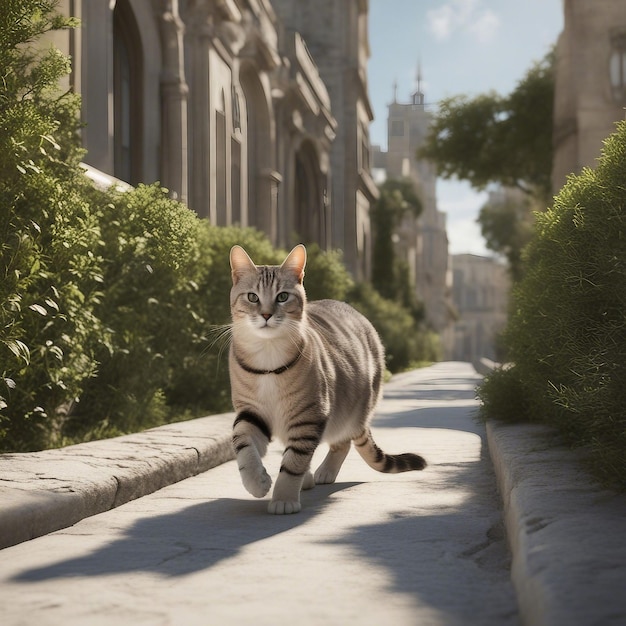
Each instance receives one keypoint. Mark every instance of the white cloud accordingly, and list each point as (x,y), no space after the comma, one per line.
(442,21)
(468,16)
(485,26)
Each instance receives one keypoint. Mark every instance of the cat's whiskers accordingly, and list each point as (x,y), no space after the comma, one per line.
(221,335)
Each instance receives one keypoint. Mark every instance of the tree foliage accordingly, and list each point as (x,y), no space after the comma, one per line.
(506,222)
(397,201)
(506,141)
(498,139)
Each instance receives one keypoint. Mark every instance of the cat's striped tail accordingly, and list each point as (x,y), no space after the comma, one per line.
(387,463)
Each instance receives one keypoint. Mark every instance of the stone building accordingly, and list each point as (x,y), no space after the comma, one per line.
(423,242)
(480,295)
(590,89)
(228,108)
(335,32)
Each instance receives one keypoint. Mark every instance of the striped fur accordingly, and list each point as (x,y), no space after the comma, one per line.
(304,372)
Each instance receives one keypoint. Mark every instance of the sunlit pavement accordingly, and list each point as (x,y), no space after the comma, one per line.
(417,548)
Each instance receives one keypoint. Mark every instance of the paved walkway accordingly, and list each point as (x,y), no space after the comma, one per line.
(416,548)
(412,549)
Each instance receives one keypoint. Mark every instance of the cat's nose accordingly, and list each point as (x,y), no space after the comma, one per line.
(266,316)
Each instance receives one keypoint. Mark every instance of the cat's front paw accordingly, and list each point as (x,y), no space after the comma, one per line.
(257,482)
(284,507)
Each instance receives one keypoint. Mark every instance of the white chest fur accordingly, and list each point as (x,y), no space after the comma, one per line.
(273,403)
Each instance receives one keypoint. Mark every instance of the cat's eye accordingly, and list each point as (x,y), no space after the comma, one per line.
(283,296)
(253,297)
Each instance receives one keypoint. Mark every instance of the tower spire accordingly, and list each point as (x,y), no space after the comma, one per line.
(418,96)
(419,76)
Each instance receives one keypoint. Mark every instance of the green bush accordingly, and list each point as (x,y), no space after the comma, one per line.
(150,246)
(49,275)
(406,341)
(567,328)
(326,277)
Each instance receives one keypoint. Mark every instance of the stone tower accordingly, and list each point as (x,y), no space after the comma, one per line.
(424,241)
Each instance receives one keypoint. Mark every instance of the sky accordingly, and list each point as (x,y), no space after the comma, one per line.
(464,47)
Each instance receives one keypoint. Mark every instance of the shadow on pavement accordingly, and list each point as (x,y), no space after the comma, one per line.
(453,559)
(431,395)
(188,540)
(449,417)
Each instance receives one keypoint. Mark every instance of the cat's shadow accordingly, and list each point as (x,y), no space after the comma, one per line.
(189,540)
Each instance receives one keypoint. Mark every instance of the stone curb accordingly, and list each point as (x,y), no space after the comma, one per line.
(41,492)
(565,532)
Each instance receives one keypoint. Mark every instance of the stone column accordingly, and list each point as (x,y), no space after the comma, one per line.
(174,92)
(268,183)
(200,30)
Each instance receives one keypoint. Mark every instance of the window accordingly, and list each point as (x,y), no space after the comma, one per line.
(236,110)
(365,149)
(617,67)
(126,95)
(397,128)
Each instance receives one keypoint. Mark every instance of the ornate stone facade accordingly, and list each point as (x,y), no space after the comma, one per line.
(590,90)
(227,104)
(335,32)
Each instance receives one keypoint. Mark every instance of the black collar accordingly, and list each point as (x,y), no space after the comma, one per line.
(278,370)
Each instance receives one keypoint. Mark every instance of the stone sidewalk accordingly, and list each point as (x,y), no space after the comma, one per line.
(46,491)
(566,533)
(418,548)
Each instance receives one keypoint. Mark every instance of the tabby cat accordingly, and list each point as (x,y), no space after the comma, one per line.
(303,372)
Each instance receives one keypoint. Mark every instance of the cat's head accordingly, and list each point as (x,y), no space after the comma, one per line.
(267,300)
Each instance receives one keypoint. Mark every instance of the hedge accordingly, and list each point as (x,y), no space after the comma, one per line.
(567,330)
(49,273)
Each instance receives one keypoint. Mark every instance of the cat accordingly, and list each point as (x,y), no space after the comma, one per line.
(304,372)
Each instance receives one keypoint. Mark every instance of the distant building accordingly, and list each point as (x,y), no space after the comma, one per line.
(590,89)
(480,294)
(227,105)
(424,241)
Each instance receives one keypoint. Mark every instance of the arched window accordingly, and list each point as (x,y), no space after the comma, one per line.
(127,100)
(259,146)
(310,217)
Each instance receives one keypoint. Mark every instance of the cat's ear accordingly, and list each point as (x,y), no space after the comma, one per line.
(240,263)
(295,262)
